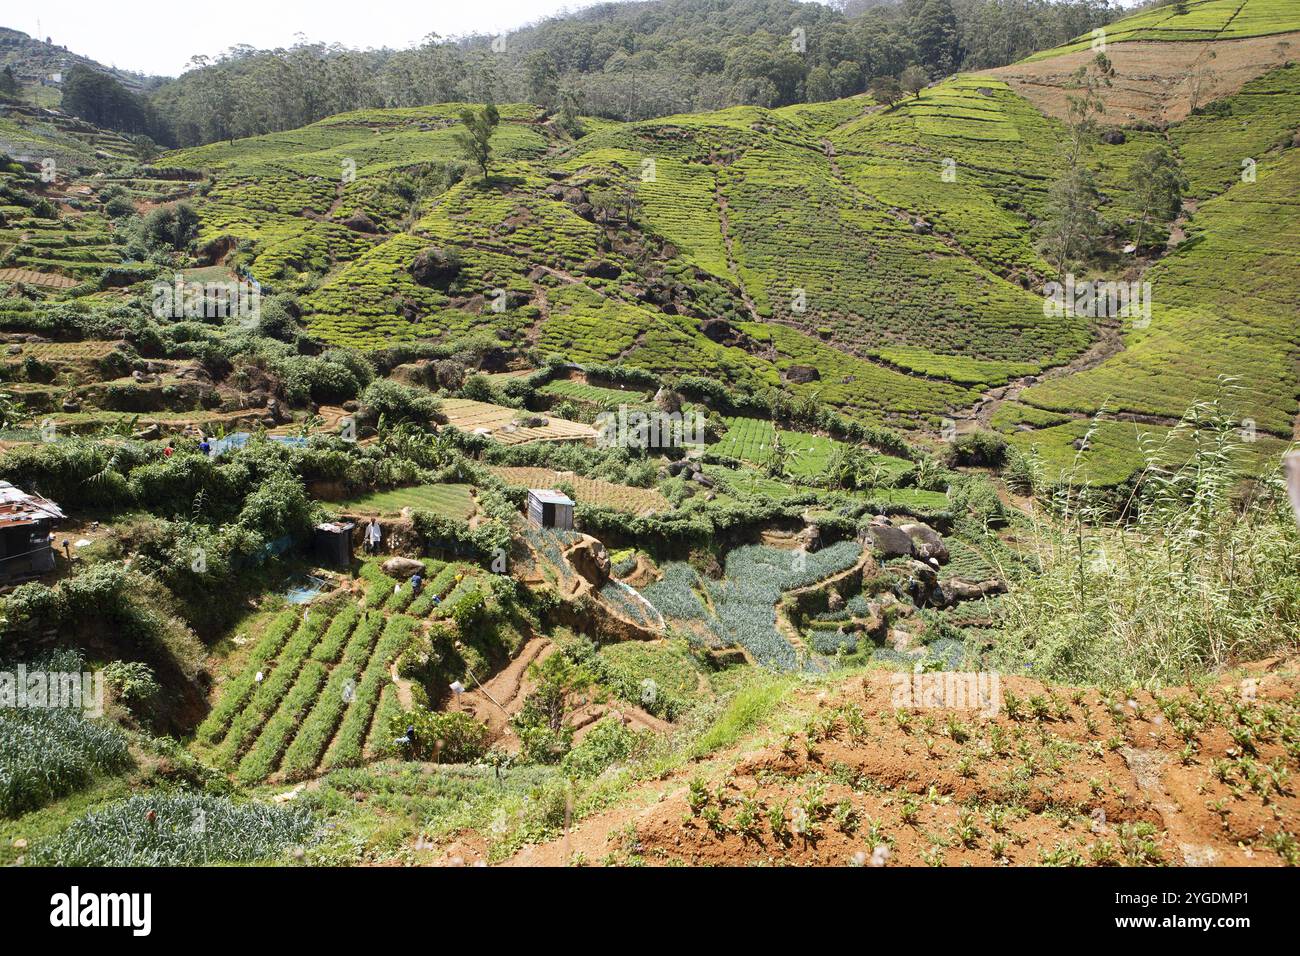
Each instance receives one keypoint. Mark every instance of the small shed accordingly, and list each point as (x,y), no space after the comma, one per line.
(332,542)
(26,528)
(550,509)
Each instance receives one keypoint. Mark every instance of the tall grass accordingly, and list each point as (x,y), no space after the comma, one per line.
(46,753)
(1202,572)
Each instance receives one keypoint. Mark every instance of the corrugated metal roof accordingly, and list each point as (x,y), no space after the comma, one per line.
(546,496)
(18,507)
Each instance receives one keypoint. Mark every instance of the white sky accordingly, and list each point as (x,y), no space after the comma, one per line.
(160,36)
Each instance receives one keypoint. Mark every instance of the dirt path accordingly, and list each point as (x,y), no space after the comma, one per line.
(724,225)
(501,697)
(1110,342)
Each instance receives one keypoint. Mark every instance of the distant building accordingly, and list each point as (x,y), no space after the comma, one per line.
(550,509)
(26,530)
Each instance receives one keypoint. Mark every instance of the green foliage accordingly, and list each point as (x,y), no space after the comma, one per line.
(395,402)
(452,737)
(49,752)
(177,830)
(606,744)
(475,141)
(1189,584)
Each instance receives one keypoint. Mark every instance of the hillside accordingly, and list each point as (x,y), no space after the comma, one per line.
(945,314)
(36,62)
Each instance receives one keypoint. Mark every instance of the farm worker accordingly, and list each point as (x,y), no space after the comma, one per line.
(167,452)
(373,536)
(205,447)
(417,584)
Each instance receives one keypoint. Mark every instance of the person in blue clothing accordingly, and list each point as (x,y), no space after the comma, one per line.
(205,447)
(417,584)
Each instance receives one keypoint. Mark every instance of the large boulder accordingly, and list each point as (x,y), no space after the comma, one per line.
(435,267)
(923,585)
(360,222)
(666,400)
(926,542)
(802,374)
(402,567)
(960,589)
(887,541)
(601,269)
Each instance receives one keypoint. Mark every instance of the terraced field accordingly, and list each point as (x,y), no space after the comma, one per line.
(1223,306)
(604,494)
(1203,20)
(501,423)
(577,391)
(452,500)
(316,685)
(751,440)
(740,607)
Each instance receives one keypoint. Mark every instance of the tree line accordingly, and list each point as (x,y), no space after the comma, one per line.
(624,61)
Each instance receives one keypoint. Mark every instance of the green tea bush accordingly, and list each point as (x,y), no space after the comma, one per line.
(452,737)
(606,744)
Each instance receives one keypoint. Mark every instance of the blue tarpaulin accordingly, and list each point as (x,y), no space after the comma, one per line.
(240,439)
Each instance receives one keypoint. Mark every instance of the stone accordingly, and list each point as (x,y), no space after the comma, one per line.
(802,374)
(590,559)
(960,589)
(888,541)
(360,222)
(399,567)
(926,542)
(435,267)
(601,269)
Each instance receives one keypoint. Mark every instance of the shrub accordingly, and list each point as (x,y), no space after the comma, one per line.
(1188,584)
(395,402)
(982,448)
(608,743)
(452,737)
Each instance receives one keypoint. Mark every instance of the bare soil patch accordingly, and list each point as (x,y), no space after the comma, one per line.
(1155,81)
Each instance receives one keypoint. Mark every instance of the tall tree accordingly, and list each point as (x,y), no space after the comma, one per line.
(886,89)
(914,79)
(1158,186)
(1072,229)
(543,79)
(934,31)
(475,138)
(1085,105)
